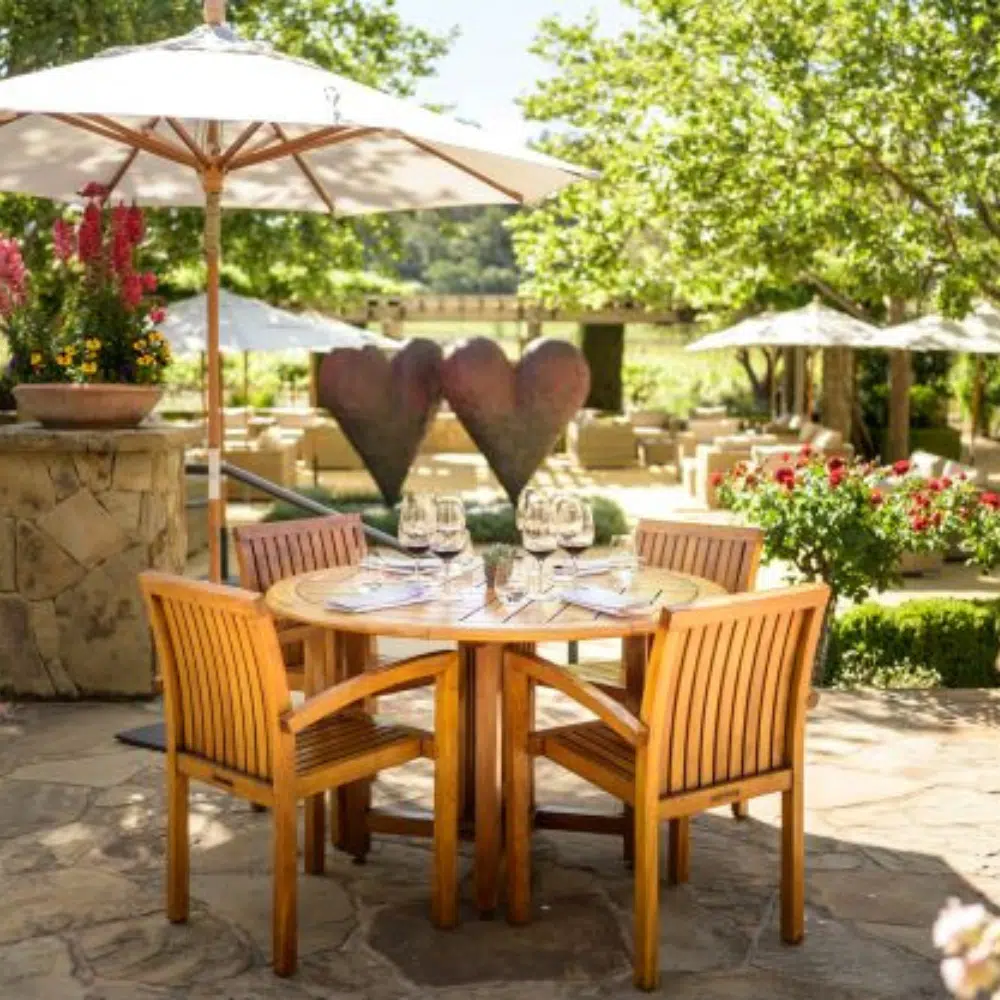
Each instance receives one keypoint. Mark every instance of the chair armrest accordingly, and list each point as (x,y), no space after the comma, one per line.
(366,685)
(613,714)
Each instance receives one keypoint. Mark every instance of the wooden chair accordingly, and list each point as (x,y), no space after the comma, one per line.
(722,719)
(230,724)
(268,553)
(726,554)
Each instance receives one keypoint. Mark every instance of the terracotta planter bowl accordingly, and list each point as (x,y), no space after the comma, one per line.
(87,407)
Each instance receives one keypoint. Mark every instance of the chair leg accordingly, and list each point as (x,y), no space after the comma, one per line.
(647,898)
(444,892)
(741,810)
(518,780)
(679,851)
(315,834)
(793,863)
(628,838)
(178,846)
(285,915)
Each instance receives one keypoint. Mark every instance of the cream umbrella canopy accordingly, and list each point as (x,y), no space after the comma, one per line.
(977,334)
(209,119)
(813,326)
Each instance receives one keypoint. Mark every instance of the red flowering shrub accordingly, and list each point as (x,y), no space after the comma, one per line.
(104,330)
(846,523)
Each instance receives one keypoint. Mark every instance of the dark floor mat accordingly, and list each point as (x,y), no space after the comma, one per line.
(152,737)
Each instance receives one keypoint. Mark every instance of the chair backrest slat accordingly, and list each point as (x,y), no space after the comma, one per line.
(268,553)
(224,678)
(727,685)
(728,555)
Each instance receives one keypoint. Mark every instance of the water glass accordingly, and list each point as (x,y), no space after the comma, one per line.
(624,562)
(512,580)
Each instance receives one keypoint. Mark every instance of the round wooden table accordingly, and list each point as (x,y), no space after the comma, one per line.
(482,628)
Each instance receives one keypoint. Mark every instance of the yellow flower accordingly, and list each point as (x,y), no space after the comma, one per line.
(36,359)
(140,345)
(145,361)
(155,337)
(70,350)
(93,344)
(89,368)
(62,360)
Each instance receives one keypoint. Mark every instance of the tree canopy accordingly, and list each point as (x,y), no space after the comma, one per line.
(284,257)
(756,150)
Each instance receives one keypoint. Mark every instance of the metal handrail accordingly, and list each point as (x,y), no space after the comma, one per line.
(288,496)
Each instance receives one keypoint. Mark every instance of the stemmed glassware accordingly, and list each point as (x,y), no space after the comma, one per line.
(538,531)
(450,536)
(417,523)
(574,527)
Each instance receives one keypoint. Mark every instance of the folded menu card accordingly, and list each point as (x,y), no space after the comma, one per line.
(608,602)
(596,567)
(400,564)
(395,595)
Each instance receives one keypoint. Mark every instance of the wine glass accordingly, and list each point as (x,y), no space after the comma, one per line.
(538,531)
(417,521)
(529,495)
(574,527)
(450,536)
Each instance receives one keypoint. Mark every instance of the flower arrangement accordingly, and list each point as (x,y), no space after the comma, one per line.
(848,523)
(93,317)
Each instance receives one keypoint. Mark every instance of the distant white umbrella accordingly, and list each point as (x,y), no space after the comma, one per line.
(814,325)
(252,325)
(211,119)
(978,334)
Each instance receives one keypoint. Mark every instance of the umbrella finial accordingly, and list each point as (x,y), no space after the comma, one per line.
(215,12)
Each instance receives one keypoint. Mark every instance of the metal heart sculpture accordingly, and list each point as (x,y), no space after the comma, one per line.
(383,406)
(515,413)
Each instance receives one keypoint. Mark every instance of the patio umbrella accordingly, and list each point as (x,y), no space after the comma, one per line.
(813,326)
(210,119)
(977,334)
(248,325)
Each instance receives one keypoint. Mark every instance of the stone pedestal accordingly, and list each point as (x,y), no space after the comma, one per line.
(82,513)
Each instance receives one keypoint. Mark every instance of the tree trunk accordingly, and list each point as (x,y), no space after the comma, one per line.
(603,346)
(838,389)
(900,377)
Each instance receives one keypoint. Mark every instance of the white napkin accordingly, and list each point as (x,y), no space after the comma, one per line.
(596,567)
(394,596)
(608,602)
(399,564)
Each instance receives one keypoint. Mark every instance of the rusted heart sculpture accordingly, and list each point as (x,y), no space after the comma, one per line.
(383,406)
(515,413)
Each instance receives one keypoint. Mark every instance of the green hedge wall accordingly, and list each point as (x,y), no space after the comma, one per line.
(929,643)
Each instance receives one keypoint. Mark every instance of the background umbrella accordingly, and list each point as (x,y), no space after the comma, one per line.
(211,119)
(813,326)
(977,334)
(247,325)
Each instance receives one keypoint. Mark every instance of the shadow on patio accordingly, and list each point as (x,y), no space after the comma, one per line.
(900,816)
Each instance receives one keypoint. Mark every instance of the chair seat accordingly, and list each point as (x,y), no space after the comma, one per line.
(595,752)
(341,738)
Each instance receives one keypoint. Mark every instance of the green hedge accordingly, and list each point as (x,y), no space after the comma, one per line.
(488,523)
(928,643)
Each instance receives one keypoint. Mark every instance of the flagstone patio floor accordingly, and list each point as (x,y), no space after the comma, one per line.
(903,808)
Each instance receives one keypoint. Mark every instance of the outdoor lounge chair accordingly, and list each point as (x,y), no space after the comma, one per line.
(231,725)
(722,719)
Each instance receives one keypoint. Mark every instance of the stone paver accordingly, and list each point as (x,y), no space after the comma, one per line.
(901,814)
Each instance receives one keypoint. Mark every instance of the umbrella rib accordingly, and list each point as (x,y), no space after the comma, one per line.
(126,164)
(239,142)
(308,172)
(182,133)
(458,165)
(154,144)
(135,139)
(314,140)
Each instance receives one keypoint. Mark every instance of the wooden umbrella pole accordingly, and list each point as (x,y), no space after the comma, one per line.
(215,11)
(212,182)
